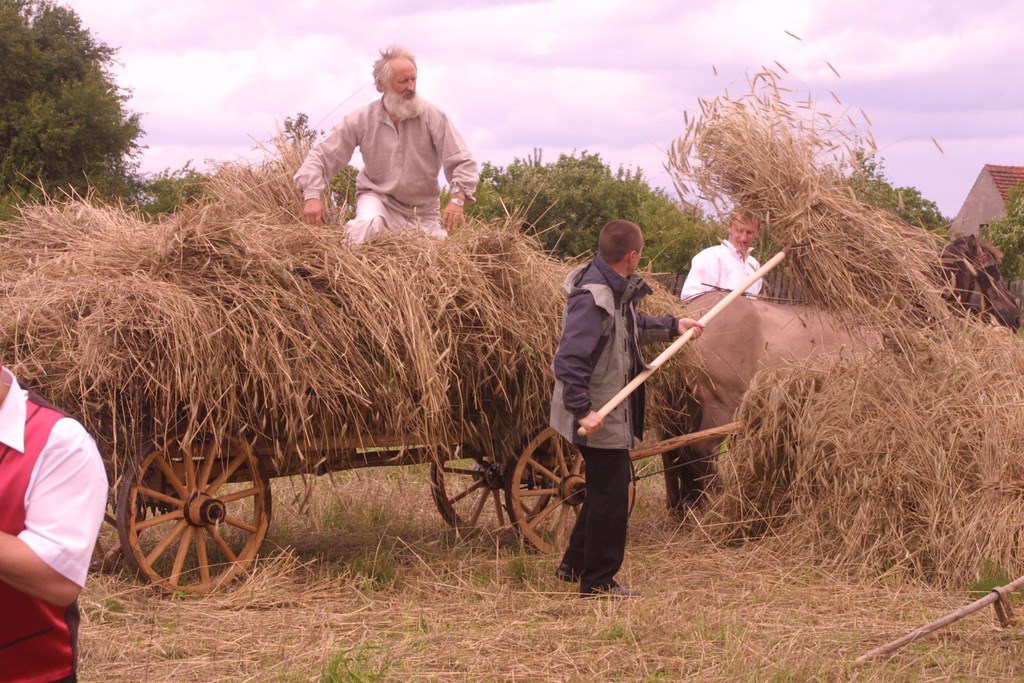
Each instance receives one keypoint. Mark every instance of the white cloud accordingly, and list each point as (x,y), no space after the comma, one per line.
(610,76)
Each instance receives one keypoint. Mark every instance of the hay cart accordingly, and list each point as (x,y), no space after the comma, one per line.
(194,512)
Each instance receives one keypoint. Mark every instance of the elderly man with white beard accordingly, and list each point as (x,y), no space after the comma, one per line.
(405,142)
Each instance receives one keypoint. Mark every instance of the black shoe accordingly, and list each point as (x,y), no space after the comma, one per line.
(612,591)
(567,573)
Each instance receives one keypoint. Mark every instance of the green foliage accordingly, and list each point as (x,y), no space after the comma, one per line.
(355,665)
(63,122)
(296,131)
(1007,233)
(870,184)
(343,189)
(568,202)
(343,185)
(376,571)
(990,575)
(168,191)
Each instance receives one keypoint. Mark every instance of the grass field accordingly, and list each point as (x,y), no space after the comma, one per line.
(365,583)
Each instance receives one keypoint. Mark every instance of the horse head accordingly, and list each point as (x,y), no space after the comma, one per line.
(973,280)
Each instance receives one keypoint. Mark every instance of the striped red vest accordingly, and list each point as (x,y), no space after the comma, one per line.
(37,639)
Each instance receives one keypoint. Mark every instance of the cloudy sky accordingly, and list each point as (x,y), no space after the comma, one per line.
(213,80)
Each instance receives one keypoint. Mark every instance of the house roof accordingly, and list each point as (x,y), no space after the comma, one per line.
(1006,178)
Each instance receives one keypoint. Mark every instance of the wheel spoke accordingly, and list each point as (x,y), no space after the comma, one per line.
(160,495)
(165,468)
(498,512)
(546,472)
(201,556)
(160,547)
(235,463)
(562,526)
(209,458)
(160,519)
(181,555)
(222,544)
(563,466)
(536,520)
(239,495)
(241,524)
(188,460)
(478,507)
(469,489)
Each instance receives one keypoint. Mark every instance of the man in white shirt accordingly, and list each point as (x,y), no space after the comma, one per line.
(405,143)
(729,264)
(53,491)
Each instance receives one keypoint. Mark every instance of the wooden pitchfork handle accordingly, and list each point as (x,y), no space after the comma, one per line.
(685,337)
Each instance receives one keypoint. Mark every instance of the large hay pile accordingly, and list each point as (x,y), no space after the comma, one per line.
(906,459)
(234,315)
(887,463)
(785,163)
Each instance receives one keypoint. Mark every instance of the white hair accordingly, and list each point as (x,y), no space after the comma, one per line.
(382,67)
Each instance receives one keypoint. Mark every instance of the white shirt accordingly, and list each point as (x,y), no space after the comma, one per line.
(722,266)
(67,492)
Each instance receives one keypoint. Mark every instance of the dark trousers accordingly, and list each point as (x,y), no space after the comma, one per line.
(597,545)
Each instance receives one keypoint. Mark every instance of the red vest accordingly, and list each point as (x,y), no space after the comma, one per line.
(37,639)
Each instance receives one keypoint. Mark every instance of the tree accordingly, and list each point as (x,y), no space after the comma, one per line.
(297,135)
(871,186)
(1007,233)
(168,191)
(64,125)
(566,203)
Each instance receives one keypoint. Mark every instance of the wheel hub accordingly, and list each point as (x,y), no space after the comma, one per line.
(493,477)
(204,510)
(573,489)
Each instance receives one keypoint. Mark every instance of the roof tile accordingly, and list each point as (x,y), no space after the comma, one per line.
(1006,178)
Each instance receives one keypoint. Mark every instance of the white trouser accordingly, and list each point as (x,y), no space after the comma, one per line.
(373,217)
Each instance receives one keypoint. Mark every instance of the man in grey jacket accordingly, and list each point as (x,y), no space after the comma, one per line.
(599,353)
(405,142)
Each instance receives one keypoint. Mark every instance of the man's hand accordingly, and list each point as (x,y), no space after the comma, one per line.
(313,211)
(452,217)
(687,323)
(591,422)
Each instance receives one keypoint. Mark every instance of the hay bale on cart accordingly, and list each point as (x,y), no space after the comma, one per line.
(231,343)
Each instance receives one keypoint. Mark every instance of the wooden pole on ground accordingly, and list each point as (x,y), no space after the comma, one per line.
(685,337)
(995,597)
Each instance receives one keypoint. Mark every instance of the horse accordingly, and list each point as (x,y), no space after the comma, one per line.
(973,281)
(751,334)
(747,335)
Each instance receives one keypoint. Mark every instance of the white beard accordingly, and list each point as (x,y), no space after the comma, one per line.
(402,107)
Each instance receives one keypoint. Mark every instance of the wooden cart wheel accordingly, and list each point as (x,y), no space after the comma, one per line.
(544,491)
(192,516)
(467,491)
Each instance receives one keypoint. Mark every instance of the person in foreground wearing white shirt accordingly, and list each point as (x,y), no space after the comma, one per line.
(53,491)
(729,264)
